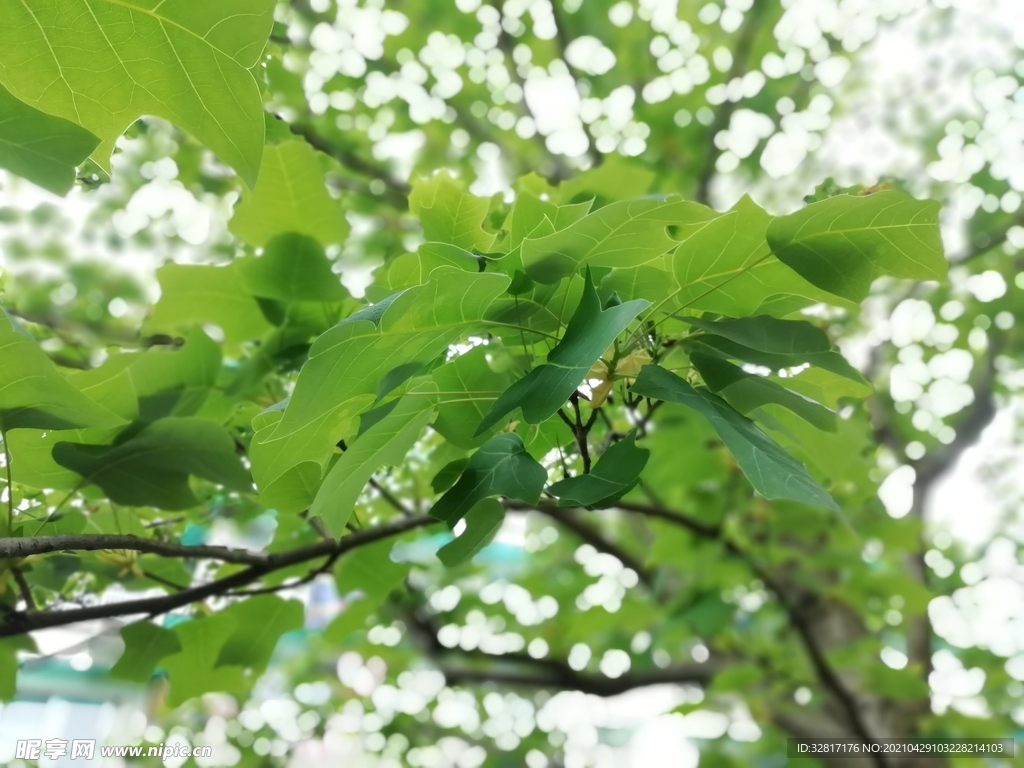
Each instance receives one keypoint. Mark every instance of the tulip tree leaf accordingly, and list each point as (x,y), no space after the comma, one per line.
(724,265)
(747,392)
(152,468)
(33,393)
(832,360)
(385,443)
(620,235)
(293,267)
(42,148)
(613,475)
(289,196)
(773,472)
(349,363)
(191,294)
(193,670)
(104,64)
(502,467)
(482,522)
(546,388)
(450,215)
(259,623)
(457,417)
(843,243)
(145,644)
(9,647)
(768,334)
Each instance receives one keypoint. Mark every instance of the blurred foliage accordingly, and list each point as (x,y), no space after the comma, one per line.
(189,297)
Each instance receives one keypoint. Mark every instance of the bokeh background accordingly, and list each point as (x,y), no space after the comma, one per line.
(718,99)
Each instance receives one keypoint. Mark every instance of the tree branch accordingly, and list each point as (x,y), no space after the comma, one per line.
(398,190)
(20,623)
(566,678)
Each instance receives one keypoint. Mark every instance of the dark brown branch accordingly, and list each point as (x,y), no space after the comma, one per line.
(41,545)
(390,498)
(24,589)
(566,678)
(19,623)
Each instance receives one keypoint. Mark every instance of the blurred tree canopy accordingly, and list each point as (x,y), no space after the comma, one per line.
(565,340)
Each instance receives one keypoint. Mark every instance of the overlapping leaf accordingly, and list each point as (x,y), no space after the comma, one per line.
(289,196)
(32,391)
(747,392)
(482,523)
(384,443)
(39,147)
(547,387)
(843,243)
(503,467)
(773,472)
(350,365)
(451,215)
(620,235)
(724,265)
(293,267)
(183,61)
(152,467)
(192,294)
(615,473)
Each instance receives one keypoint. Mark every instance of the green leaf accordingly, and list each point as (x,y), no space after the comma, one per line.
(191,294)
(449,474)
(708,614)
(9,647)
(615,179)
(152,467)
(724,265)
(259,623)
(832,360)
(193,671)
(773,472)
(42,148)
(370,571)
(843,243)
(827,387)
(620,235)
(450,215)
(104,64)
(739,679)
(501,467)
(482,523)
(289,196)
(33,393)
(293,267)
(616,472)
(747,392)
(528,212)
(471,385)
(385,443)
(348,365)
(411,269)
(145,644)
(768,334)
(546,388)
